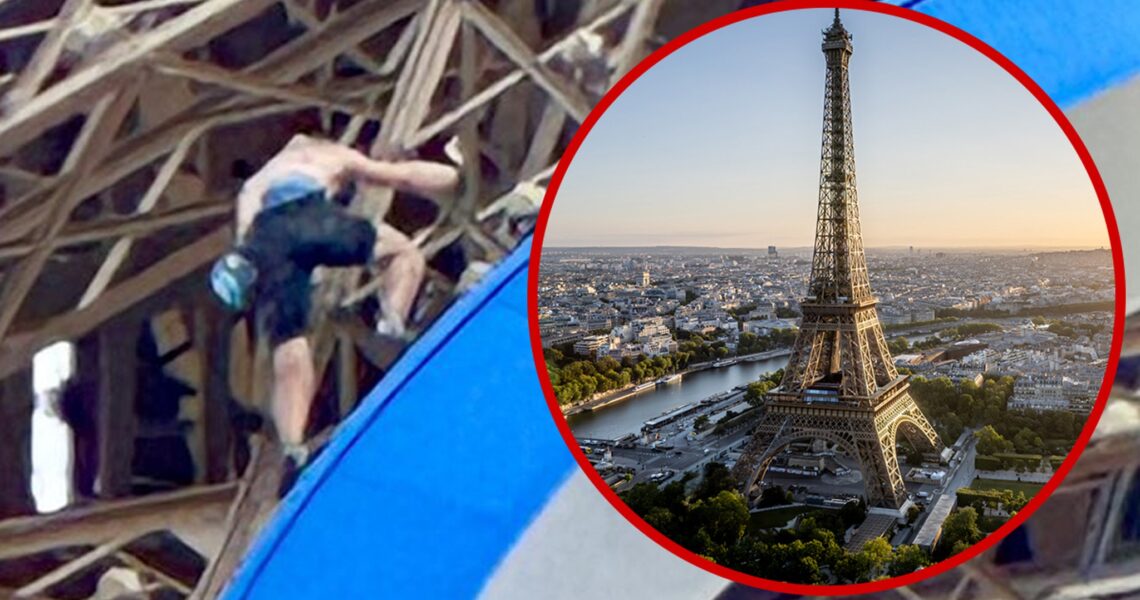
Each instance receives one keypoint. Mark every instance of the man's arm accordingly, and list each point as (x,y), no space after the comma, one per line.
(416,176)
(248,203)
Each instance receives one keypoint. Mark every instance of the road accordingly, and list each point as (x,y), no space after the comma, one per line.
(684,454)
(766,355)
(828,485)
(960,475)
(963,473)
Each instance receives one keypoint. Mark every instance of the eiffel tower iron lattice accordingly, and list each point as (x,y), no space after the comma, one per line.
(840,384)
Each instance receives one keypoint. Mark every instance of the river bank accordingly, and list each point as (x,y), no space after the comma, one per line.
(639,389)
(621,418)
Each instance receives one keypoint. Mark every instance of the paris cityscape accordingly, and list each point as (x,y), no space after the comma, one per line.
(627,303)
(824,414)
(716,322)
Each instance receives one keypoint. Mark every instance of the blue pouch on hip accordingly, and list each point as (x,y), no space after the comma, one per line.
(292,188)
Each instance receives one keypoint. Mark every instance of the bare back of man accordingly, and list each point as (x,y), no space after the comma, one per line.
(333,166)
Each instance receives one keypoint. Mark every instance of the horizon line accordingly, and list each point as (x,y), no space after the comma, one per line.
(810,247)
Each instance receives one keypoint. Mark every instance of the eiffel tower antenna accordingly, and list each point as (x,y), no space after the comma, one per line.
(840,384)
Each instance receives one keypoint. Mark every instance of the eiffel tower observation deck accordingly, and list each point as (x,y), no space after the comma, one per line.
(840,384)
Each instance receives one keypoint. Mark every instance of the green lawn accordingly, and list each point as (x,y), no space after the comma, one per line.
(1030,489)
(778,517)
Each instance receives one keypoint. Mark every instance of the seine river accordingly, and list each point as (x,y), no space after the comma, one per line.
(627,416)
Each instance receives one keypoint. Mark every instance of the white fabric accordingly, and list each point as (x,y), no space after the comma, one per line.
(580,547)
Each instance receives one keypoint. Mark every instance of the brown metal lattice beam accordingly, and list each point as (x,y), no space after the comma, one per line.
(69,96)
(100,523)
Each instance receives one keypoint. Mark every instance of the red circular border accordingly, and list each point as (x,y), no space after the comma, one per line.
(780,586)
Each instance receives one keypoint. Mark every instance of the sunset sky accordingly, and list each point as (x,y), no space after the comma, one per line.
(718,145)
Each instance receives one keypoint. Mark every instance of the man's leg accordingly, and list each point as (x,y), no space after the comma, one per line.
(327,235)
(293,388)
(402,277)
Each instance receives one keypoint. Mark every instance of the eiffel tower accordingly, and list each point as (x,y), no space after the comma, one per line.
(840,384)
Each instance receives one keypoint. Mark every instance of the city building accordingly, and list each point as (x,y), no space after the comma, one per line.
(589,345)
(767,326)
(931,530)
(1047,392)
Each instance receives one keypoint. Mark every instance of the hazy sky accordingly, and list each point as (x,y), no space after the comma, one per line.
(718,145)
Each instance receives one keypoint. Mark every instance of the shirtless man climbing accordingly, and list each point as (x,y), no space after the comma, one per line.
(290,221)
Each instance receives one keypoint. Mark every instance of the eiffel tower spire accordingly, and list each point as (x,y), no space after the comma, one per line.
(840,384)
(839,268)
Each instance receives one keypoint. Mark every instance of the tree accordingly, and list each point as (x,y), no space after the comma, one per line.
(606,364)
(879,553)
(755,391)
(723,517)
(960,528)
(908,559)
(952,427)
(912,514)
(804,570)
(705,546)
(786,313)
(991,442)
(642,498)
(553,355)
(854,568)
(899,345)
(663,521)
(1026,441)
(774,496)
(701,423)
(673,496)
(715,479)
(832,551)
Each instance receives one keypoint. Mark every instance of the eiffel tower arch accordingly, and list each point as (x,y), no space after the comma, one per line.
(869,436)
(840,383)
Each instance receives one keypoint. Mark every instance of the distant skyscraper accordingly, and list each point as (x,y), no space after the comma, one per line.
(645,279)
(772,252)
(912,249)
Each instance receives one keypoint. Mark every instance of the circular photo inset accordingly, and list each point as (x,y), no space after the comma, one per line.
(811,373)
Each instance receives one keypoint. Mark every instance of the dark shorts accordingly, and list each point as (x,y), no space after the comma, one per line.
(286,243)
